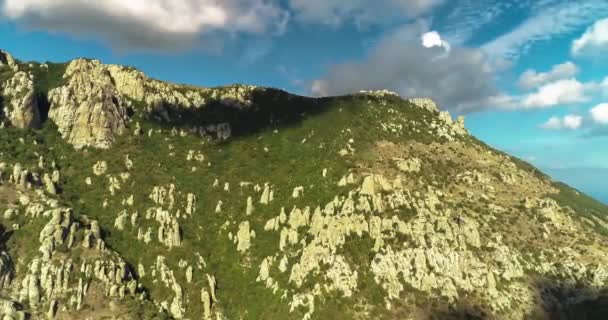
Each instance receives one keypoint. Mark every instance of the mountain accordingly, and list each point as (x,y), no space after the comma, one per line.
(125,197)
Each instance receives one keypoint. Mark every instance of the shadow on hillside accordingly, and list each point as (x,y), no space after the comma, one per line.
(461,310)
(271,109)
(564,301)
(43,106)
(555,300)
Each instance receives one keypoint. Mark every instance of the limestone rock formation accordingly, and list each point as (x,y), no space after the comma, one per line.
(20,106)
(88,110)
(243,237)
(6,59)
(415,215)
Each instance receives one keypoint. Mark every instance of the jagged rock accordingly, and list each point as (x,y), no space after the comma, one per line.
(121,220)
(265,199)
(249,210)
(52,310)
(191,203)
(20,106)
(49,184)
(347,179)
(189,274)
(100,168)
(243,237)
(169,233)
(297,192)
(128,162)
(56,176)
(17,170)
(177,308)
(206,300)
(212,287)
(113,184)
(373,184)
(6,59)
(424,103)
(88,110)
(409,165)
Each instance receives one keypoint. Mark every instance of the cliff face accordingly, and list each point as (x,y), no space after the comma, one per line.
(252,203)
(88,110)
(20,105)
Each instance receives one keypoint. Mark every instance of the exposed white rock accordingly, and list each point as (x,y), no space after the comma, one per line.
(20,105)
(408,165)
(297,192)
(243,237)
(88,110)
(250,208)
(265,198)
(218,207)
(190,203)
(100,168)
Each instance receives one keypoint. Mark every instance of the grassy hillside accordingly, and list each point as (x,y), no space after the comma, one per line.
(288,141)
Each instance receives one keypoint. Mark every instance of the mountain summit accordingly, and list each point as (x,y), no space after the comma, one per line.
(125,197)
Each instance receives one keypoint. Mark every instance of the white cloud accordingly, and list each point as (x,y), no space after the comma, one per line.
(556,93)
(461,80)
(433,39)
(359,12)
(532,79)
(568,122)
(148,24)
(593,41)
(554,123)
(599,113)
(546,23)
(573,122)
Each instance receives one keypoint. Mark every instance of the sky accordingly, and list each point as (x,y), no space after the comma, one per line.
(530,76)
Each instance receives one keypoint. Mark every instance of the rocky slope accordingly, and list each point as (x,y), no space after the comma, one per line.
(124,197)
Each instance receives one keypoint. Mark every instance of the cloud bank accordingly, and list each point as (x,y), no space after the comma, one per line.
(460,80)
(568,122)
(360,12)
(531,79)
(148,24)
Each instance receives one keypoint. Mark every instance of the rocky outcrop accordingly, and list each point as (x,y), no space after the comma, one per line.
(88,110)
(243,237)
(7,60)
(20,107)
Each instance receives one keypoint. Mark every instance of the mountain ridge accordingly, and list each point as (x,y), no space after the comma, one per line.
(164,201)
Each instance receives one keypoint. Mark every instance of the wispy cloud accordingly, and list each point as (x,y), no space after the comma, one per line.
(469,16)
(568,122)
(546,23)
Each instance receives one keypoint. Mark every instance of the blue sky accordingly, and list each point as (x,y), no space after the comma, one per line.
(530,76)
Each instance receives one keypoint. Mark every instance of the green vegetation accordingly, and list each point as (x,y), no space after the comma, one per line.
(310,134)
(283,140)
